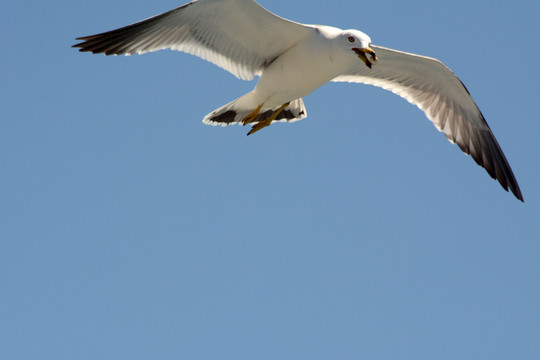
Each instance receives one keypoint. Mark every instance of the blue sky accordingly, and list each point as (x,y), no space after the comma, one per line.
(130,230)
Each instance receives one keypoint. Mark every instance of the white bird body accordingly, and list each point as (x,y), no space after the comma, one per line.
(292,60)
(305,67)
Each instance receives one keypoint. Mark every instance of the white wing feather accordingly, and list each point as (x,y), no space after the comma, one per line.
(239,36)
(436,90)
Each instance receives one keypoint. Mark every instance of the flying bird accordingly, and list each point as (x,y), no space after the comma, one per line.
(292,60)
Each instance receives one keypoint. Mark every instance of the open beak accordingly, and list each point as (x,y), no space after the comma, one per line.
(363,55)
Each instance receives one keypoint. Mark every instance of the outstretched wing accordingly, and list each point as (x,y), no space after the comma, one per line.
(436,90)
(239,36)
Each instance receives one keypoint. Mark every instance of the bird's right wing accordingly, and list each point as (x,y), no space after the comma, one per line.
(239,36)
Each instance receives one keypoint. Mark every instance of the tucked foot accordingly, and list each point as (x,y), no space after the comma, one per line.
(266,122)
(258,126)
(252,115)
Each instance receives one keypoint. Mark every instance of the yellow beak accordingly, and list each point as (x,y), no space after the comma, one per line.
(362,54)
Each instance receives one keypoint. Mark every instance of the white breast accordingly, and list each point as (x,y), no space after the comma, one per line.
(302,69)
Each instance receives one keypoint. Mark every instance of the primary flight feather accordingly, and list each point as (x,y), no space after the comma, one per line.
(292,60)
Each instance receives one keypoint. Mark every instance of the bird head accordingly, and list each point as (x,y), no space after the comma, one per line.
(359,43)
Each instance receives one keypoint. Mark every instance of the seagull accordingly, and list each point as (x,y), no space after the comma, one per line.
(291,60)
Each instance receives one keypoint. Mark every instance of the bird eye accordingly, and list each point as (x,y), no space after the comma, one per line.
(351,38)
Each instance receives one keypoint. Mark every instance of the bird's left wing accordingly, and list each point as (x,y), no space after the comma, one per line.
(239,36)
(436,90)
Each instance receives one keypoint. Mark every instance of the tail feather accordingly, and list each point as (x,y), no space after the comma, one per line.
(235,111)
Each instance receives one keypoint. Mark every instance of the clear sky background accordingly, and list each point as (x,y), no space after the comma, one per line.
(130,230)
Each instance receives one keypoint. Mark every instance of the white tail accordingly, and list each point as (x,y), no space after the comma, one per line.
(238,109)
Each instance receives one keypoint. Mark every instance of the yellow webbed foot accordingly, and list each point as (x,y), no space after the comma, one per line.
(266,122)
(252,115)
(258,126)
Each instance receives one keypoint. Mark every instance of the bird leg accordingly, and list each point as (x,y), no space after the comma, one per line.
(266,122)
(252,115)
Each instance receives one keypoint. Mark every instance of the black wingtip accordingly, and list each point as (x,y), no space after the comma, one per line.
(514,188)
(518,195)
(82,44)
